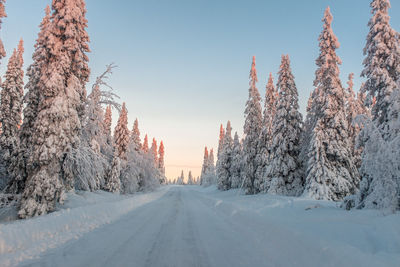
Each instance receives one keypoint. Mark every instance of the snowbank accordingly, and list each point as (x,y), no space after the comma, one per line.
(83,212)
(358,236)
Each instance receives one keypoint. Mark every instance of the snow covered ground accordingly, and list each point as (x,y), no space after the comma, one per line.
(194,226)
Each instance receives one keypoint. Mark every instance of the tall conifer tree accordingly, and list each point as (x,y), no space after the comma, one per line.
(284,176)
(252,131)
(331,172)
(62,97)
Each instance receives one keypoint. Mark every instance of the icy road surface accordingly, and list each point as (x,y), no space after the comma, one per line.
(191,226)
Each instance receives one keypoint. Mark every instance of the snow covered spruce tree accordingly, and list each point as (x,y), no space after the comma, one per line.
(161,152)
(204,168)
(113,183)
(62,97)
(331,172)
(121,133)
(107,124)
(221,139)
(153,152)
(135,136)
(283,175)
(211,175)
(190,179)
(271,99)
(224,161)
(145,146)
(11,106)
(252,131)
(380,186)
(31,99)
(382,62)
(121,142)
(354,108)
(237,163)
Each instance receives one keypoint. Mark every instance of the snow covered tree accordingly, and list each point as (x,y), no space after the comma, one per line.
(153,152)
(11,105)
(161,165)
(211,175)
(190,179)
(221,139)
(2,15)
(97,127)
(271,99)
(113,183)
(181,179)
(354,108)
(31,99)
(237,163)
(121,134)
(331,172)
(224,161)
(135,136)
(283,175)
(252,131)
(382,62)
(62,97)
(204,167)
(145,146)
(107,124)
(380,185)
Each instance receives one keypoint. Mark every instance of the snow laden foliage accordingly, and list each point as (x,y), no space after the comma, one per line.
(252,131)
(23,159)
(2,15)
(380,138)
(237,163)
(89,164)
(135,136)
(380,169)
(331,172)
(138,172)
(121,134)
(271,100)
(86,168)
(224,162)
(283,175)
(95,132)
(11,108)
(382,62)
(62,94)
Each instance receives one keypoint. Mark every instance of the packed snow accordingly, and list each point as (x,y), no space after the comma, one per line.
(196,226)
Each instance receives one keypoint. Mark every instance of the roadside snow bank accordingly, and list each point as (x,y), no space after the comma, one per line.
(357,236)
(82,213)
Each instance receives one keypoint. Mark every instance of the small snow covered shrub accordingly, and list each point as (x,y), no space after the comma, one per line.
(84,169)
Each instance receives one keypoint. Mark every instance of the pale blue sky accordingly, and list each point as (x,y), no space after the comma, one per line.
(183,65)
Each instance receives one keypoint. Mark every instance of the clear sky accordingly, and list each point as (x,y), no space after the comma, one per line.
(183,65)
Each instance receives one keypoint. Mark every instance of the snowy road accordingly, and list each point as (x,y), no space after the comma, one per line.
(189,227)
